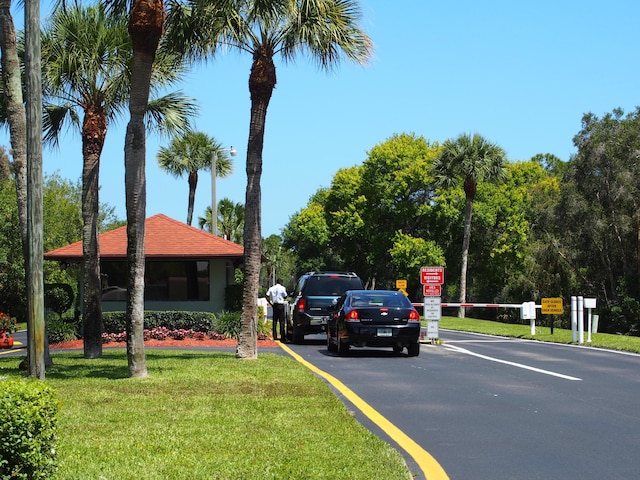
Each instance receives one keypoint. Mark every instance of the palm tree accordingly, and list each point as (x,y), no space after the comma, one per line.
(326,29)
(230,220)
(190,153)
(468,159)
(86,72)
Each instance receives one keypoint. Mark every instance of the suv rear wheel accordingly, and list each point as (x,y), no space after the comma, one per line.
(298,335)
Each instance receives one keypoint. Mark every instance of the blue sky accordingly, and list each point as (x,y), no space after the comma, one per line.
(521,74)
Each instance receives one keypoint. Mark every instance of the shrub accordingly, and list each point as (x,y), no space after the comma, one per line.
(61,331)
(228,323)
(115,322)
(58,297)
(28,409)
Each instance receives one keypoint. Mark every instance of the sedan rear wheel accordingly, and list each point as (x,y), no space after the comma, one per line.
(413,349)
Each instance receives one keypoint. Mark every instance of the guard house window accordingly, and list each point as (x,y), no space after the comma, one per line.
(164,281)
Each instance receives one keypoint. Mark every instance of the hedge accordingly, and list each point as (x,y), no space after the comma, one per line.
(28,429)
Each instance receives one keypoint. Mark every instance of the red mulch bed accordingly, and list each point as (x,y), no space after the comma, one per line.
(169,342)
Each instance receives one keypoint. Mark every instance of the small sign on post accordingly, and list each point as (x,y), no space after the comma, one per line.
(432,275)
(401,285)
(431,290)
(552,306)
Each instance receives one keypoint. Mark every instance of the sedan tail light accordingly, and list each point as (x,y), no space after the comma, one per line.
(414,316)
(351,316)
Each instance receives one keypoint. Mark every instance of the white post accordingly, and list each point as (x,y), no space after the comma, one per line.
(574,318)
(581,319)
(589,304)
(532,306)
(214,206)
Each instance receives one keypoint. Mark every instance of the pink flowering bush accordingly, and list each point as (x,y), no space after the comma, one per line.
(162,333)
(7,323)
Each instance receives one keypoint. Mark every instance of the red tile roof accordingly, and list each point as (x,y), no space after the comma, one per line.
(164,238)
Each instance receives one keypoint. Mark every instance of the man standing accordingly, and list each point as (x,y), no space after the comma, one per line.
(276,296)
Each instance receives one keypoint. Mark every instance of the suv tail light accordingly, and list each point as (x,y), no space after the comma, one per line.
(301,305)
(414,316)
(352,316)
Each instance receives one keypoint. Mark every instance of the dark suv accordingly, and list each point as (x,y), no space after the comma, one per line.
(314,296)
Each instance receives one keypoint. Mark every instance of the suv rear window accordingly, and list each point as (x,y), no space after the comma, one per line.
(330,285)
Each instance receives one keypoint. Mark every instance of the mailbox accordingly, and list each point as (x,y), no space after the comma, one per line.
(528,311)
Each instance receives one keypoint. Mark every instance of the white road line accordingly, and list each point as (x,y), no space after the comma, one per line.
(513,364)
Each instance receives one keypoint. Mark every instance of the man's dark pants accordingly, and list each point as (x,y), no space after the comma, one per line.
(278,318)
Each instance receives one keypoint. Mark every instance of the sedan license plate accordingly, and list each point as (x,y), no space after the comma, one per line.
(384,332)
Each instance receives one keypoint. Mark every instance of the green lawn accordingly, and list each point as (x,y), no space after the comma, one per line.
(543,333)
(207,415)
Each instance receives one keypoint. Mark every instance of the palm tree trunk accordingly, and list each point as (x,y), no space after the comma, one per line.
(466,240)
(94,131)
(146,21)
(16,115)
(262,81)
(193,183)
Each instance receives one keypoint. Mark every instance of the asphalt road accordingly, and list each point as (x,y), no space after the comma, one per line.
(494,408)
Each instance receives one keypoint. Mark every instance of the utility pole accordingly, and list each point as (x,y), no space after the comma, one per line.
(35,279)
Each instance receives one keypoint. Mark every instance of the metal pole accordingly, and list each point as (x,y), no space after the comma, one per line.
(214,206)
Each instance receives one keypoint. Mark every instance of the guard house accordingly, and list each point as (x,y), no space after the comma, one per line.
(186,268)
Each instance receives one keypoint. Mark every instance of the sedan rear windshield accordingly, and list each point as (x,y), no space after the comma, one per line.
(382,299)
(328,286)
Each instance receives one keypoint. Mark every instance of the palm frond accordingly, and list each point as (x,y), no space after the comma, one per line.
(171,114)
(55,118)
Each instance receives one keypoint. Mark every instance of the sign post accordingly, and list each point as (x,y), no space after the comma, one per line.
(401,285)
(432,279)
(552,306)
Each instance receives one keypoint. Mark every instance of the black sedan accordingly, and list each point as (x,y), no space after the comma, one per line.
(375,318)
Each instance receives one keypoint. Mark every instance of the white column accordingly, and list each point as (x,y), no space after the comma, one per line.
(580,319)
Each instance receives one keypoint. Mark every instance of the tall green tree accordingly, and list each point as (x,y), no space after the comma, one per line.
(307,236)
(469,159)
(598,216)
(87,56)
(279,262)
(62,226)
(370,213)
(188,154)
(327,30)
(398,187)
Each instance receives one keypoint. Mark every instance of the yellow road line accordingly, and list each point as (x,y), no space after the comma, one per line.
(430,467)
(12,350)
